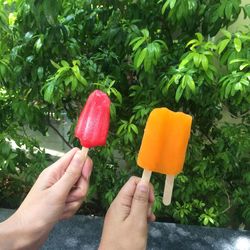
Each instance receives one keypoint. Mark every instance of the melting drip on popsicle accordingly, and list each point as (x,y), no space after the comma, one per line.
(164,146)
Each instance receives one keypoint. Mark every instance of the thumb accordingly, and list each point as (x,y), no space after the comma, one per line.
(72,173)
(140,203)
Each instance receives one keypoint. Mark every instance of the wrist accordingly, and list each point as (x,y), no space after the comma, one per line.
(15,235)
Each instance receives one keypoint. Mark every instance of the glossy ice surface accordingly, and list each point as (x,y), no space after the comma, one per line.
(93,123)
(165,141)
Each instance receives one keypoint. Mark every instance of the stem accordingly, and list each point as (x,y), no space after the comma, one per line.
(228,201)
(59,134)
(210,140)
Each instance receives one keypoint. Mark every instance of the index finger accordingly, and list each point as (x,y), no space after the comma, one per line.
(122,202)
(124,199)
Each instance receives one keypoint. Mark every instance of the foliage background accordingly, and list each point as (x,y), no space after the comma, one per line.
(144,54)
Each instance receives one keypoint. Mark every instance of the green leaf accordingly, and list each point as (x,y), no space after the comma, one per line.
(4,18)
(175,78)
(141,57)
(145,33)
(122,127)
(204,62)
(238,86)
(245,82)
(200,37)
(205,221)
(30,59)
(186,60)
(222,45)
(226,33)
(51,10)
(211,220)
(40,73)
(190,83)
(148,63)
(193,41)
(161,42)
(237,44)
(139,43)
(136,57)
(2,71)
(244,65)
(78,75)
(156,50)
(64,63)
(236,60)
(48,94)
(135,40)
(210,74)
(179,93)
(197,59)
(57,66)
(76,62)
(151,52)
(170,3)
(228,90)
(246,9)
(117,94)
(74,84)
(228,10)
(68,80)
(184,81)
(39,43)
(134,128)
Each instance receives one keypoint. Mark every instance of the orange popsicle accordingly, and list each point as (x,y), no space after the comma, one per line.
(164,143)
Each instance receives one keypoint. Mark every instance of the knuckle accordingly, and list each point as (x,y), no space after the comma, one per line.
(111,212)
(140,225)
(75,207)
(43,173)
(141,197)
(81,193)
(133,179)
(70,173)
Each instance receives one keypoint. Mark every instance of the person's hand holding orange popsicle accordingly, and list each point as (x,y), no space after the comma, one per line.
(164,145)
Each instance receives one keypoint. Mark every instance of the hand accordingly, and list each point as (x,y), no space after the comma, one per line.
(125,224)
(57,194)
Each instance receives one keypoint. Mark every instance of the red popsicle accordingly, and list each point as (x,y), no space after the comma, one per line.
(93,123)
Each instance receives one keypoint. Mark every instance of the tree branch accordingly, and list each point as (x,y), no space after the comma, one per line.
(59,134)
(228,201)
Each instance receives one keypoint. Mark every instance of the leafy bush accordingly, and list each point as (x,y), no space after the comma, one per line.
(144,54)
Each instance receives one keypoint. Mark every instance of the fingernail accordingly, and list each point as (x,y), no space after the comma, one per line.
(79,155)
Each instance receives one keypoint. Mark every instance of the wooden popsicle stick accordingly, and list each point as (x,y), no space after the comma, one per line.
(85,152)
(168,189)
(146,175)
